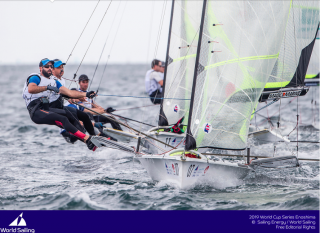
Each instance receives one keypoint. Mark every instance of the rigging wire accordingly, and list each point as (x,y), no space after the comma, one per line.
(150,30)
(275,100)
(160,28)
(82,32)
(129,119)
(123,124)
(158,38)
(151,105)
(92,40)
(112,46)
(156,46)
(142,97)
(184,60)
(279,118)
(103,47)
(295,57)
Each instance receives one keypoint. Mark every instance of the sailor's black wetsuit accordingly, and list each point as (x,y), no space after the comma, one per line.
(104,120)
(75,114)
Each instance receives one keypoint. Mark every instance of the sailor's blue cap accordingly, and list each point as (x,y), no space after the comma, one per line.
(45,61)
(57,63)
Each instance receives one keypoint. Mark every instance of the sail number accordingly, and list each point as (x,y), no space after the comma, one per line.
(168,140)
(284,94)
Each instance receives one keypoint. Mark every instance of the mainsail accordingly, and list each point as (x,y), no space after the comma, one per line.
(183,40)
(238,49)
(293,59)
(313,68)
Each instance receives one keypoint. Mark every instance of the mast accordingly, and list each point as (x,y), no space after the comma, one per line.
(190,141)
(162,117)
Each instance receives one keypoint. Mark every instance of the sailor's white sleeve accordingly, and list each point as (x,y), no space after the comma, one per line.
(156,76)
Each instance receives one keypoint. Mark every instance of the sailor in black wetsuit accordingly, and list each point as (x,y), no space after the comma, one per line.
(89,103)
(74,115)
(40,90)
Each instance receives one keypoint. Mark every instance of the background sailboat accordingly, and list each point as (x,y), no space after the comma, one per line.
(293,59)
(297,66)
(178,76)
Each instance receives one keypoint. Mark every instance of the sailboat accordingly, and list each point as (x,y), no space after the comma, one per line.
(297,65)
(178,73)
(239,46)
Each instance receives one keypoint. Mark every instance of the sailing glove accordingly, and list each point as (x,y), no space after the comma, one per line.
(110,110)
(52,88)
(91,94)
(98,125)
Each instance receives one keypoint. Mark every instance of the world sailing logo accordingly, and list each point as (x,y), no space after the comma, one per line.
(207,128)
(173,141)
(16,226)
(19,221)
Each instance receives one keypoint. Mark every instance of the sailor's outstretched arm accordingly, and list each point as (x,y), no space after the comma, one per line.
(75,94)
(35,89)
(95,105)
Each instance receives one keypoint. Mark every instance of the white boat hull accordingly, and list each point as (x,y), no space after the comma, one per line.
(191,171)
(152,146)
(266,136)
(121,136)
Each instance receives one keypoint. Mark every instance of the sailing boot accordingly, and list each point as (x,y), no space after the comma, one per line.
(90,145)
(69,137)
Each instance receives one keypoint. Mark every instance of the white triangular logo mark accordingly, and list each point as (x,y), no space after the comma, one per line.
(19,221)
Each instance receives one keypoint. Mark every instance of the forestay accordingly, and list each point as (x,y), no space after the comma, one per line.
(245,39)
(181,61)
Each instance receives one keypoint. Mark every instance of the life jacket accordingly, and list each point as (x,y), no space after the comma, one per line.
(147,80)
(50,95)
(88,103)
(59,102)
(151,85)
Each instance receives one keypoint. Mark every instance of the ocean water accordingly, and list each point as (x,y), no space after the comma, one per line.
(39,170)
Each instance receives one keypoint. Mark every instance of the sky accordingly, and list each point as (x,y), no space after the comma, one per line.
(32,30)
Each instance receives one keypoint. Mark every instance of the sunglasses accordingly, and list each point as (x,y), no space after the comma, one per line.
(48,66)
